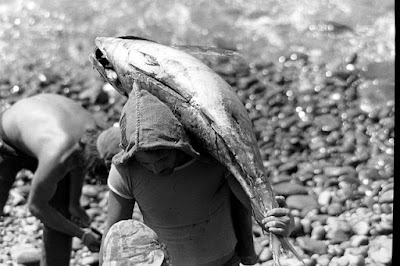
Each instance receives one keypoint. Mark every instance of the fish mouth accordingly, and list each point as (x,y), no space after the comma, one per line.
(109,73)
(100,62)
(106,70)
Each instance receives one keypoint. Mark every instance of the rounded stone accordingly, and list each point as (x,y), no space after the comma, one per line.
(334,209)
(361,228)
(318,232)
(325,197)
(386,197)
(266,254)
(359,240)
(305,203)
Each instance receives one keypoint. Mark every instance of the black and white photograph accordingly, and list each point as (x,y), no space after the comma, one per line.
(195,132)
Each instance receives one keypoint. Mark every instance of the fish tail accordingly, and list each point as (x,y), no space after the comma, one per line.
(275,245)
(288,247)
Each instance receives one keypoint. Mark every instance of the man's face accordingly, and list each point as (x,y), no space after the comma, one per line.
(160,162)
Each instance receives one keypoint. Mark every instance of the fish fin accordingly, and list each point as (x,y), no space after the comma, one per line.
(275,245)
(288,247)
(207,50)
(129,37)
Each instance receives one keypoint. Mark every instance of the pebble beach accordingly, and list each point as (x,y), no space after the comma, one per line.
(325,132)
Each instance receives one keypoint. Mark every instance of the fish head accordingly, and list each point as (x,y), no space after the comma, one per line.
(120,63)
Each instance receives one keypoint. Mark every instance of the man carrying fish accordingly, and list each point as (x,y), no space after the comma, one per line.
(55,138)
(191,201)
(208,109)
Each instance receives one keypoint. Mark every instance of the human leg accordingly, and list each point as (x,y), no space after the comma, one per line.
(8,170)
(56,249)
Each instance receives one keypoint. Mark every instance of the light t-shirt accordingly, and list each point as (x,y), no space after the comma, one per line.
(189,210)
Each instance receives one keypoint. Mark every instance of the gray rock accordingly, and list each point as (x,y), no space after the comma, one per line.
(361,227)
(350,179)
(359,240)
(289,188)
(375,94)
(335,209)
(332,171)
(384,228)
(76,243)
(362,250)
(25,254)
(266,254)
(340,261)
(312,246)
(323,260)
(281,178)
(325,197)
(91,191)
(327,122)
(381,250)
(305,203)
(386,197)
(337,236)
(91,260)
(318,232)
(356,260)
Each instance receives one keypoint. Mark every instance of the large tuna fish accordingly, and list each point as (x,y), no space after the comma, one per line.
(203,102)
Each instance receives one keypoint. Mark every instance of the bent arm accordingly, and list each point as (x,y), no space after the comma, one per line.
(44,185)
(119,209)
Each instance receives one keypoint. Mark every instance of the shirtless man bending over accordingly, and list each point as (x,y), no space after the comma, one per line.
(55,138)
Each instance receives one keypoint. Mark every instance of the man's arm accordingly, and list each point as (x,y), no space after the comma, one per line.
(44,185)
(78,214)
(119,209)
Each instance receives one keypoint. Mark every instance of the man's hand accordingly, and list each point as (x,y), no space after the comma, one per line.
(279,220)
(91,240)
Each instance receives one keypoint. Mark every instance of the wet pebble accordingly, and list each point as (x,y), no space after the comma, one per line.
(334,209)
(305,203)
(361,250)
(318,232)
(386,197)
(323,260)
(266,254)
(339,261)
(289,188)
(361,227)
(336,236)
(325,197)
(381,250)
(76,243)
(356,260)
(281,178)
(327,123)
(91,191)
(91,260)
(349,179)
(25,254)
(312,246)
(359,240)
(384,228)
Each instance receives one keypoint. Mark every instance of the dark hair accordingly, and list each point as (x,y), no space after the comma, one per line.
(94,165)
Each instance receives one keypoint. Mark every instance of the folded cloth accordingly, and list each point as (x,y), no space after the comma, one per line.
(130,242)
(146,124)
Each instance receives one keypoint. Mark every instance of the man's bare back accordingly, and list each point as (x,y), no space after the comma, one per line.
(49,128)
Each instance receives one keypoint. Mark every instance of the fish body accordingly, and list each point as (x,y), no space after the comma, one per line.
(202,101)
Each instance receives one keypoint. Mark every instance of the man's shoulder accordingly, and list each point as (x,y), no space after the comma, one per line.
(128,167)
